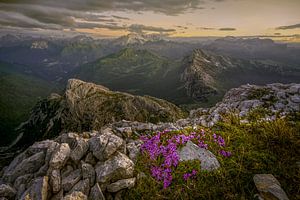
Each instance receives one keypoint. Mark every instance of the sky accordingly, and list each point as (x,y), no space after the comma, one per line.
(174,18)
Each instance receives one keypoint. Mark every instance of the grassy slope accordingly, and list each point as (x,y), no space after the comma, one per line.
(265,147)
(19,93)
(138,72)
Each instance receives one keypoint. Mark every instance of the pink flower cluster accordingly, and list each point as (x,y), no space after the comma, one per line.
(162,148)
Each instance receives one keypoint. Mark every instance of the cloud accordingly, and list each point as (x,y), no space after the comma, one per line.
(294,26)
(205,28)
(139,28)
(227,29)
(62,14)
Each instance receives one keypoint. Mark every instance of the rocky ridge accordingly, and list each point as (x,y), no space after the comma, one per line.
(100,164)
(87,106)
(90,165)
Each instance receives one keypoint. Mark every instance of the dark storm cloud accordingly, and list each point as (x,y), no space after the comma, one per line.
(60,14)
(227,29)
(294,26)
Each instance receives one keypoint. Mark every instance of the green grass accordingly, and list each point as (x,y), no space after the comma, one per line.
(257,147)
(18,94)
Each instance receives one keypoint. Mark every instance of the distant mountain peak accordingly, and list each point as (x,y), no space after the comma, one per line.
(136,38)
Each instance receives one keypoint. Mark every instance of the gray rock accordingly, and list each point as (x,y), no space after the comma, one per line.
(38,190)
(294,89)
(121,184)
(7,191)
(133,150)
(55,180)
(69,181)
(21,190)
(41,146)
(269,187)
(82,186)
(28,166)
(90,159)
(25,179)
(8,172)
(125,131)
(58,196)
(117,167)
(191,151)
(75,196)
(88,172)
(60,156)
(96,193)
(70,139)
(295,98)
(80,150)
(105,145)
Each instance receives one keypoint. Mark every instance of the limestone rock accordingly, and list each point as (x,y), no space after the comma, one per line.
(25,179)
(80,150)
(55,180)
(58,196)
(117,167)
(269,188)
(7,191)
(121,184)
(191,151)
(134,149)
(105,145)
(82,186)
(75,196)
(29,165)
(38,190)
(60,156)
(89,173)
(96,193)
(69,181)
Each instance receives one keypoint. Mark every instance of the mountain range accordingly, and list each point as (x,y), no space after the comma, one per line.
(187,73)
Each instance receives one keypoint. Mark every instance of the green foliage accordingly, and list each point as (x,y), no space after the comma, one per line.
(259,147)
(137,72)
(258,93)
(19,93)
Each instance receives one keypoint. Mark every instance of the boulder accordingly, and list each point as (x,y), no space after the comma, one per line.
(7,191)
(60,156)
(80,150)
(121,184)
(28,166)
(115,168)
(191,151)
(69,181)
(269,188)
(38,190)
(88,172)
(96,193)
(105,145)
(75,196)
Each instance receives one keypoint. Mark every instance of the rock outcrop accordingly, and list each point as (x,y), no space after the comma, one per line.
(87,106)
(89,165)
(273,100)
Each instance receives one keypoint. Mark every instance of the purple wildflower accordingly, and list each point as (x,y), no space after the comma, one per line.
(225,153)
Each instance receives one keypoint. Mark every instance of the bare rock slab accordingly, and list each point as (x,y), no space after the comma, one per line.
(191,151)
(121,184)
(60,156)
(116,168)
(269,188)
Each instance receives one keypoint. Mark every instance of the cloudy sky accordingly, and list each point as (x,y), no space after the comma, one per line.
(182,18)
